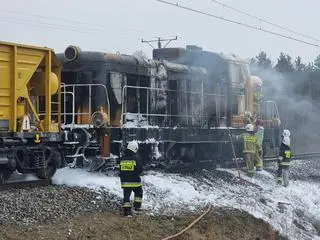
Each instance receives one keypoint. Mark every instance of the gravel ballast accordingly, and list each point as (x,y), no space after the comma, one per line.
(43,205)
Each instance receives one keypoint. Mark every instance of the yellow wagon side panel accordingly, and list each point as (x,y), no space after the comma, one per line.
(26,70)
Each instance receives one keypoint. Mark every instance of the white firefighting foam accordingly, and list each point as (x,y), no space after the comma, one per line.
(294,211)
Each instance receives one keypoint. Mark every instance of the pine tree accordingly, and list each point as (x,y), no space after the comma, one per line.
(317,62)
(262,60)
(284,64)
(298,65)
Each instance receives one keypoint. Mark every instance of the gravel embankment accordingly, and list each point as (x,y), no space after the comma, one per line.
(43,205)
(304,170)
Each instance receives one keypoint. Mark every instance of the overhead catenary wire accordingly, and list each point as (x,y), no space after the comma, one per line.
(67,24)
(48,25)
(265,21)
(51,26)
(237,23)
(64,20)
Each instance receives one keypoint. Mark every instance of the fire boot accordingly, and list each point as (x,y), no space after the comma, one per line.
(127,209)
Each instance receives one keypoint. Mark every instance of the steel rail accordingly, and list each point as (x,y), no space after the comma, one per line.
(298,156)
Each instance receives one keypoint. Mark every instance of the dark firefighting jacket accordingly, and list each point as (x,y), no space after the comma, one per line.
(284,155)
(130,170)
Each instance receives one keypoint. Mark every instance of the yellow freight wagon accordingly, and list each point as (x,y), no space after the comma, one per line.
(30,110)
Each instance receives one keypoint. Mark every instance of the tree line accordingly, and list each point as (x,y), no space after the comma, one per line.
(301,79)
(295,86)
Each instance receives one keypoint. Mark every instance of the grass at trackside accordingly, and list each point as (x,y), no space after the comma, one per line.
(219,224)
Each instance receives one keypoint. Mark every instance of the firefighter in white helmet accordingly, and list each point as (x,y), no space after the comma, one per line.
(284,161)
(130,171)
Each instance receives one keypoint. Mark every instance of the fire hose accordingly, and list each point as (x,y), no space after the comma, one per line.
(190,225)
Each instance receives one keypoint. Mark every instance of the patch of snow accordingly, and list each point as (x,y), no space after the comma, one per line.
(136,120)
(82,178)
(286,209)
(155,152)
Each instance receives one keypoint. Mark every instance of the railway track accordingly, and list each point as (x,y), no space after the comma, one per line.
(25,184)
(19,184)
(298,156)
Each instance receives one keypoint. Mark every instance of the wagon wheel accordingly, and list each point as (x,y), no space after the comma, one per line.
(4,175)
(52,160)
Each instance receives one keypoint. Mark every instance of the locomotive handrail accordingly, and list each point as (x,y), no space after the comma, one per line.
(90,85)
(171,90)
(73,109)
(147,114)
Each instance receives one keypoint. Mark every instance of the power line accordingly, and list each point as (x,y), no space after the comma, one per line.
(238,23)
(265,21)
(50,26)
(57,26)
(45,24)
(64,20)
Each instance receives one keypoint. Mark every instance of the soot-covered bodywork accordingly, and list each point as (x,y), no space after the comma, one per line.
(180,107)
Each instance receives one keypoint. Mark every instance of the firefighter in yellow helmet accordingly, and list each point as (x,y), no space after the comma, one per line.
(250,146)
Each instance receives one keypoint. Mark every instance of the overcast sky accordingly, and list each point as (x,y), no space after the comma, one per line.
(119,25)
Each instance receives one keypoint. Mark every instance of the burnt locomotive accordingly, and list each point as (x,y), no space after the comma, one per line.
(180,106)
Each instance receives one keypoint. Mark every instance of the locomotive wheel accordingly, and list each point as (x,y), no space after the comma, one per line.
(52,162)
(4,175)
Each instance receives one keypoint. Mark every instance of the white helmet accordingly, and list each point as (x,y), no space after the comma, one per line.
(286,133)
(286,141)
(249,127)
(133,146)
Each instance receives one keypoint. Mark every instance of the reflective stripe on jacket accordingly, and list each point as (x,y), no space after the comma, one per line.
(284,155)
(249,143)
(130,170)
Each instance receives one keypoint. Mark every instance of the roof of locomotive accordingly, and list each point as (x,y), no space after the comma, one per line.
(117,61)
(195,56)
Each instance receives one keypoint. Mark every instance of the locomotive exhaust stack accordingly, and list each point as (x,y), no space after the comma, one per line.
(72,53)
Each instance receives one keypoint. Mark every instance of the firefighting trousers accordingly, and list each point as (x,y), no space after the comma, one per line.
(283,174)
(249,159)
(259,158)
(137,201)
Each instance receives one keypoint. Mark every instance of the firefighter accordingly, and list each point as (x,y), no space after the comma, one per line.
(130,170)
(284,162)
(259,149)
(249,148)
